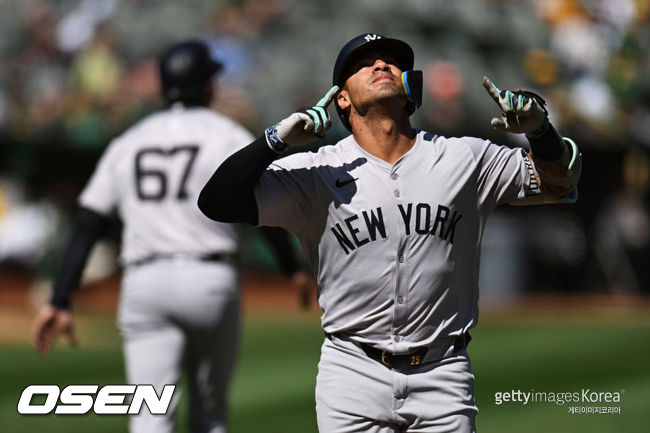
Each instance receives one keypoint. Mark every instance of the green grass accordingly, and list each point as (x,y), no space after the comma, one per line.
(607,357)
(273,389)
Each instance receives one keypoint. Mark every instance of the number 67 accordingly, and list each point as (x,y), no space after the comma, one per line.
(159,176)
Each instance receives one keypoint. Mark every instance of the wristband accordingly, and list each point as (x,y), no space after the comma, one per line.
(273,140)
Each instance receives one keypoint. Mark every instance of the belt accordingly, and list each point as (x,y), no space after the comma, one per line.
(210,257)
(413,359)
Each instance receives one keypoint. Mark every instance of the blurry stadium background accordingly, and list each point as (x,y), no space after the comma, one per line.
(564,288)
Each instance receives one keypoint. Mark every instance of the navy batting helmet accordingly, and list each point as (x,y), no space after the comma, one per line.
(185,68)
(399,50)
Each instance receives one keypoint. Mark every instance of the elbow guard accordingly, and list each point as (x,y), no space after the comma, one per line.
(572,173)
(567,182)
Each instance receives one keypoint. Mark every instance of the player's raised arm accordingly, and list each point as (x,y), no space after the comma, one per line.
(557,160)
(228,195)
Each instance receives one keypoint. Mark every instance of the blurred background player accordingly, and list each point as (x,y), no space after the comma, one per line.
(179,309)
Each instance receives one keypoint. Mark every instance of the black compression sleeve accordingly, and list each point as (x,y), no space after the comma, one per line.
(228,196)
(285,254)
(89,227)
(548,145)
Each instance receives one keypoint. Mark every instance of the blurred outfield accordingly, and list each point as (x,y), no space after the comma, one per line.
(552,349)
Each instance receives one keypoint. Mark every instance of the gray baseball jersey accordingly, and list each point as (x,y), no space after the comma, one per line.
(395,248)
(152,175)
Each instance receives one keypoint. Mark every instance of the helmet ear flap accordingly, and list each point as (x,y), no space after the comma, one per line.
(412,84)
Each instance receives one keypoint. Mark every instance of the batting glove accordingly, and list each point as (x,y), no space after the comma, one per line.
(301,127)
(522,111)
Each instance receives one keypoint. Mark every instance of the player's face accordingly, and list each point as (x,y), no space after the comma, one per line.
(373,77)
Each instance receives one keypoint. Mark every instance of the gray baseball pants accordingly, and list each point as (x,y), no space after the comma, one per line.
(175,317)
(355,393)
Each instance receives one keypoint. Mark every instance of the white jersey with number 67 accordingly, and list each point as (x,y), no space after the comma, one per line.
(152,175)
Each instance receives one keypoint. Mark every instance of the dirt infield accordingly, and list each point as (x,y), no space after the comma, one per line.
(272,294)
(261,292)
(21,296)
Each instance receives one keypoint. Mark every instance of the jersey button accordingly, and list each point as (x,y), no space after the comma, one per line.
(401,259)
(394,176)
(400,300)
(396,193)
(397,338)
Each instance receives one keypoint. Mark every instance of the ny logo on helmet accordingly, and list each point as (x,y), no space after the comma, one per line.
(372,37)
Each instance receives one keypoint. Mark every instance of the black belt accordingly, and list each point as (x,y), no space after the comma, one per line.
(409,360)
(211,257)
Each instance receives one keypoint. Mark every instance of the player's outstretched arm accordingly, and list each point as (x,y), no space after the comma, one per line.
(228,196)
(557,161)
(55,318)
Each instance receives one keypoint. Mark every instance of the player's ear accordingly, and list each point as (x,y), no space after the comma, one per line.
(343,99)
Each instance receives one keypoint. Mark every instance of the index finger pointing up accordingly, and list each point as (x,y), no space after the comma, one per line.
(328,98)
(492,89)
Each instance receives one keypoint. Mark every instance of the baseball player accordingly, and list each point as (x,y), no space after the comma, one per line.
(391,220)
(179,309)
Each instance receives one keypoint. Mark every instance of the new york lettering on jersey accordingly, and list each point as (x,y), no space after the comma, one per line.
(418,218)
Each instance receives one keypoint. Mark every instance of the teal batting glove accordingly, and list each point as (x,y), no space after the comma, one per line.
(522,111)
(302,126)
